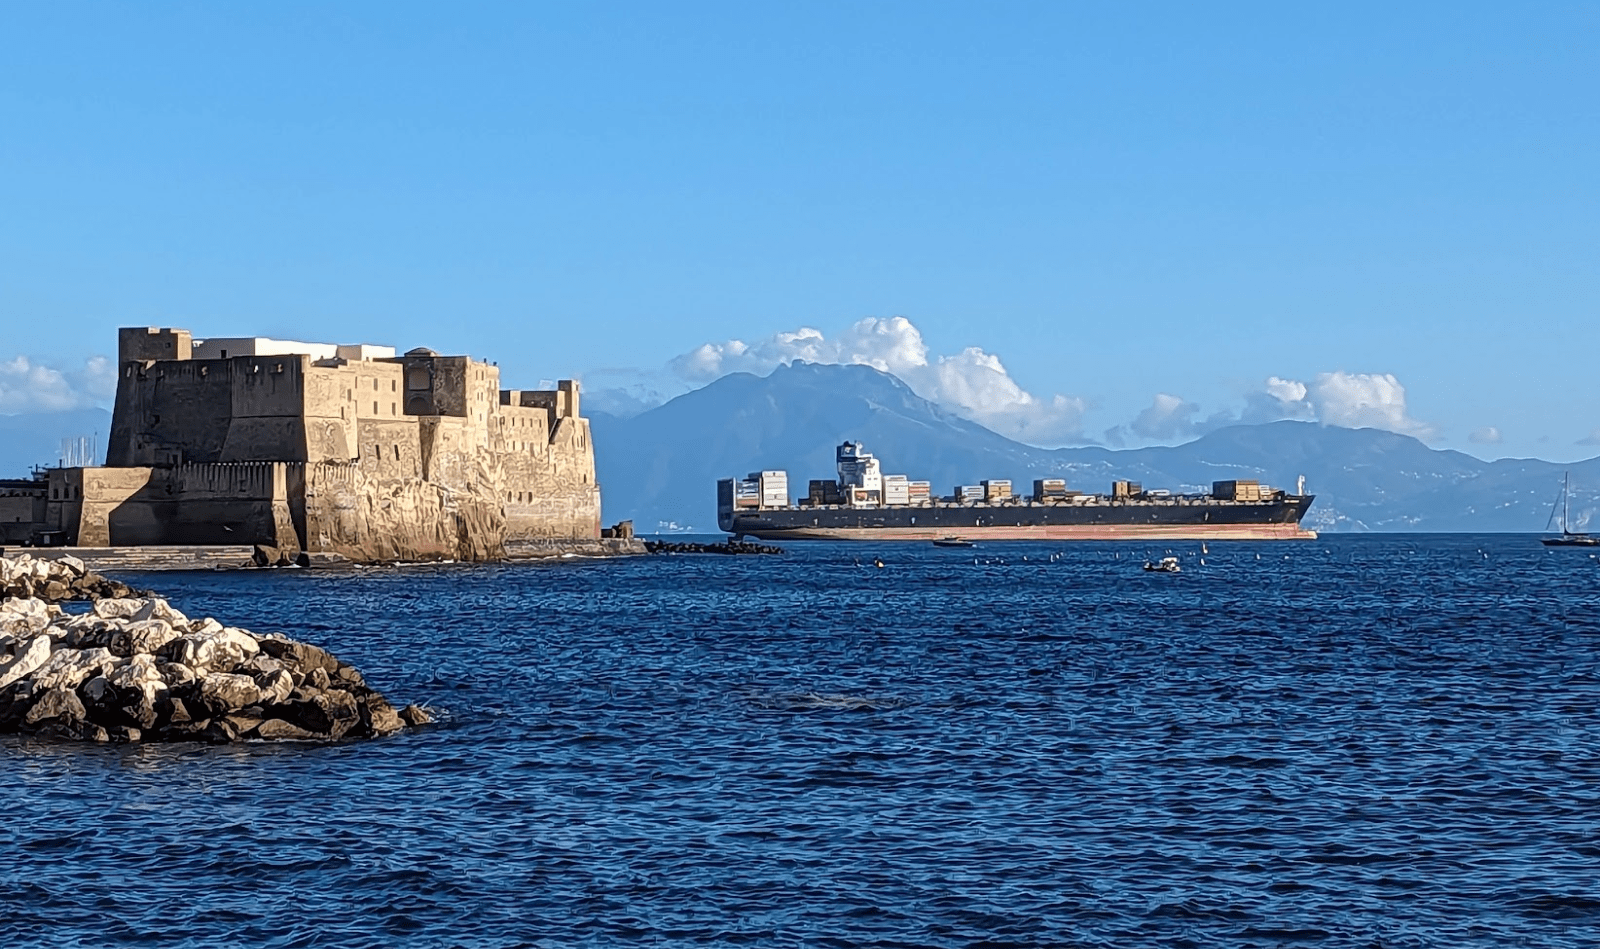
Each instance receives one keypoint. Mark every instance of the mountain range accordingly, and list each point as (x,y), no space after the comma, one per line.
(35,438)
(661,467)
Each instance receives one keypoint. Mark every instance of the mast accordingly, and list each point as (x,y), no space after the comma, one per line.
(1566,482)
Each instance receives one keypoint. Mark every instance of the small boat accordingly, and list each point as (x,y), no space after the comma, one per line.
(1165,565)
(1569,538)
(953,542)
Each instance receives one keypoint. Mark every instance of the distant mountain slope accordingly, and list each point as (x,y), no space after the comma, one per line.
(35,438)
(663,464)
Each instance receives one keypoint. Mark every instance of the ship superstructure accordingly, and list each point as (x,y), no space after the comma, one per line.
(863,503)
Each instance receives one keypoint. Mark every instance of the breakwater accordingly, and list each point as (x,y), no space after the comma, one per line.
(724,547)
(134,668)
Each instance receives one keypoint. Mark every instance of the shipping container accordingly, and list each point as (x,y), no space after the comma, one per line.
(1237,490)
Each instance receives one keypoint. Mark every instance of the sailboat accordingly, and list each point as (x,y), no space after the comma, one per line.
(1569,538)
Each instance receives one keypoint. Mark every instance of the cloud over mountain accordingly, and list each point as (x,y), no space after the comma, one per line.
(973,383)
(29,386)
(1345,399)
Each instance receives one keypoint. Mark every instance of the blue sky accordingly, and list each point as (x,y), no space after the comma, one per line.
(1393,207)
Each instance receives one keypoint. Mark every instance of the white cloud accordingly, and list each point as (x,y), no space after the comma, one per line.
(1593,438)
(1347,399)
(1351,400)
(1488,435)
(29,386)
(1169,416)
(972,383)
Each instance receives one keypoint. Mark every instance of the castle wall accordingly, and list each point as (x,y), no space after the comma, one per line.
(390,448)
(187,504)
(22,510)
(350,513)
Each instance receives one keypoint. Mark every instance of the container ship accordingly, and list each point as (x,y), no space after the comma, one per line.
(865,504)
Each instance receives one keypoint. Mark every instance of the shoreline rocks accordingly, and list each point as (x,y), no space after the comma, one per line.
(133,668)
(57,581)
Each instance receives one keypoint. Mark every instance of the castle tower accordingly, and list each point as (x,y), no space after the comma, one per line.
(147,343)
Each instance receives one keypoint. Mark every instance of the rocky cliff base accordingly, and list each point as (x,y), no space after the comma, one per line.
(136,669)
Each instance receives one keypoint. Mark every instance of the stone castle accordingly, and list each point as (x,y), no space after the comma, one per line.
(324,449)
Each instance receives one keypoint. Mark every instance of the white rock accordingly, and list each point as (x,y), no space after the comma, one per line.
(142,637)
(140,672)
(73,566)
(157,608)
(112,608)
(275,686)
(205,627)
(226,691)
(18,615)
(69,668)
(27,660)
(220,651)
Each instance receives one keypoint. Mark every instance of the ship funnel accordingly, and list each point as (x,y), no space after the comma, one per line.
(1300,486)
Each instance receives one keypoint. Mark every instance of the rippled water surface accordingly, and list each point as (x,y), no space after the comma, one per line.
(1369,741)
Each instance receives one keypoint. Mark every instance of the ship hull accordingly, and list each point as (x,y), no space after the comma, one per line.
(1274,520)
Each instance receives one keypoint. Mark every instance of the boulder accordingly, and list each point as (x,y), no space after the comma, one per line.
(414,715)
(70,668)
(221,651)
(275,687)
(157,608)
(259,666)
(224,692)
(176,675)
(19,615)
(60,705)
(117,608)
(276,729)
(27,660)
(378,717)
(74,567)
(142,636)
(328,714)
(298,657)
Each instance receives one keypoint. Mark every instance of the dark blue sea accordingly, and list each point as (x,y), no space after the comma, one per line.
(1372,741)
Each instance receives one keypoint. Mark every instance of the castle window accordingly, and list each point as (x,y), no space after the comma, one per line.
(397,452)
(374,385)
(392,385)
(374,408)
(224,354)
(417,378)
(392,409)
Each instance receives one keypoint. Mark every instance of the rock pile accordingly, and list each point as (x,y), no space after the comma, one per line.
(134,668)
(57,581)
(726,547)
